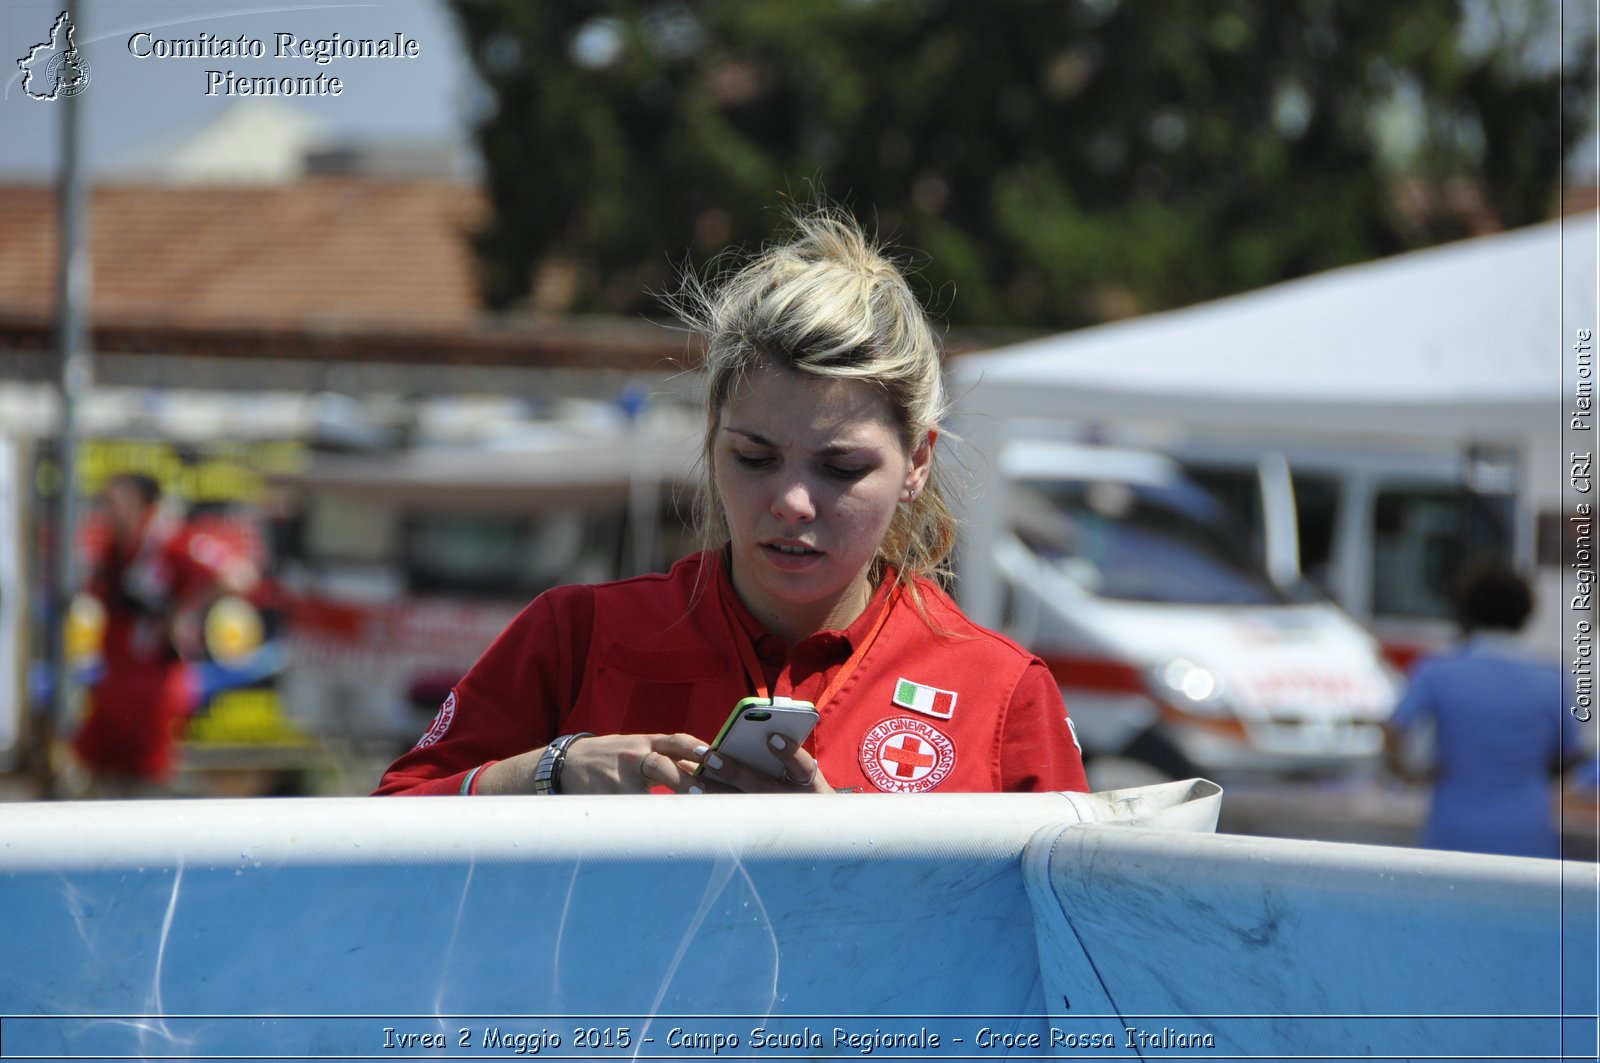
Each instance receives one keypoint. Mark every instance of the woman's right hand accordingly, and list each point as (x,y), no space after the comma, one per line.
(609,764)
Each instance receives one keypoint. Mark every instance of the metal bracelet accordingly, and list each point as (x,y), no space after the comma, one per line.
(547,774)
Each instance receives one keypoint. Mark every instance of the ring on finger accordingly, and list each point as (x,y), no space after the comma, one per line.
(792,781)
(642,760)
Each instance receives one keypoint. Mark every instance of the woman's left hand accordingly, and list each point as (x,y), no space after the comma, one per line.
(801,775)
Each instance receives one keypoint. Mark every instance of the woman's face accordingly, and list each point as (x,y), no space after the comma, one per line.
(809,471)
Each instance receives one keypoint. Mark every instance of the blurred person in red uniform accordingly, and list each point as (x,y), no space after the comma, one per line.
(154,578)
(825,528)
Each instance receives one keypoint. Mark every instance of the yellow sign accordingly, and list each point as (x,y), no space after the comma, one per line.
(209,472)
(251,717)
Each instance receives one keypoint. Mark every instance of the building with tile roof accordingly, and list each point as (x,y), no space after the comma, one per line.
(343,269)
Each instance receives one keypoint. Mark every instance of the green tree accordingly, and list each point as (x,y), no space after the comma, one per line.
(1053,163)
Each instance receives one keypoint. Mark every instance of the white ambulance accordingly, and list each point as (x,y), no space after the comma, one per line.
(1177,654)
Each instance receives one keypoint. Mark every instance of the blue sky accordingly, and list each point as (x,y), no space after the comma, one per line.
(132,103)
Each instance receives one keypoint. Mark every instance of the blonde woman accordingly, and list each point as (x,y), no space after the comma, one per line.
(825,523)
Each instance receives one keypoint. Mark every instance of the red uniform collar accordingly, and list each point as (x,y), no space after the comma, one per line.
(762,639)
(769,651)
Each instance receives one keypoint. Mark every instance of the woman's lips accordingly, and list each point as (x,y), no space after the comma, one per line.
(790,555)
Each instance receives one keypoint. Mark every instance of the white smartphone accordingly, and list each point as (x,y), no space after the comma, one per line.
(744,736)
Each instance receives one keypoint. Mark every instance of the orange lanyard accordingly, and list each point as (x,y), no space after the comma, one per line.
(757,677)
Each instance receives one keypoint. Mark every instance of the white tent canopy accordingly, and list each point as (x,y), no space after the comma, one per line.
(1463,342)
(1466,343)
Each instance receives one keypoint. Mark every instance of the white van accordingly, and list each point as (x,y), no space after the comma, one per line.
(1386,532)
(1176,652)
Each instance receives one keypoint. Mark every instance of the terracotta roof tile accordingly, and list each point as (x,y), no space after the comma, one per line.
(320,252)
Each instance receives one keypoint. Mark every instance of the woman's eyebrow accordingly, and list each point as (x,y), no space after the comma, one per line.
(834,450)
(754,437)
(831,450)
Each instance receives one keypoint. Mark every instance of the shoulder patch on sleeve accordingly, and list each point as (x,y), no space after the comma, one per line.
(441,723)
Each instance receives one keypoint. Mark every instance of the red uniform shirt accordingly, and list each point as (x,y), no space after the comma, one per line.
(140,704)
(932,704)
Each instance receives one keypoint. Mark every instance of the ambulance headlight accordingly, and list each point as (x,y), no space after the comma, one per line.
(1190,687)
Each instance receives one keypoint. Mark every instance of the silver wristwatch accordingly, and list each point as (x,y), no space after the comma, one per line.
(547,774)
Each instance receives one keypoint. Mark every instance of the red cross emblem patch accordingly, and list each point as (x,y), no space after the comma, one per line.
(903,755)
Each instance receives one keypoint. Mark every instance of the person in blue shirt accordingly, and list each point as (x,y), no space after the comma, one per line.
(1501,730)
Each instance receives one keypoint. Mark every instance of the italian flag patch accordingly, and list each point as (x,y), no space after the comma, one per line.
(930,701)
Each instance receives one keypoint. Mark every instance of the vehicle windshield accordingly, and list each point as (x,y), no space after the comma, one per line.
(1142,543)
